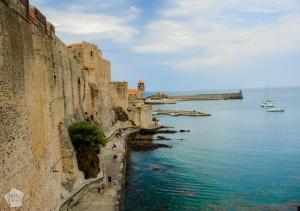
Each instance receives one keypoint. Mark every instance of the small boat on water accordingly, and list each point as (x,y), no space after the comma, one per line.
(174,114)
(276,109)
(268,104)
(154,113)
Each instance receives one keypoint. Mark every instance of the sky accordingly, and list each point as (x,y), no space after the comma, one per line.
(182,45)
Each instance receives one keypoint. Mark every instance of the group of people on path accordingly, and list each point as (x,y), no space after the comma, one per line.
(112,179)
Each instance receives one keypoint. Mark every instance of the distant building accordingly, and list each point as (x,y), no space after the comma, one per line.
(91,58)
(133,93)
(137,109)
(137,94)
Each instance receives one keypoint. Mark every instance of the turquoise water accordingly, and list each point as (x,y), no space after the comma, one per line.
(239,158)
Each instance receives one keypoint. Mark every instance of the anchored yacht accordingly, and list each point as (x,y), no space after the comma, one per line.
(268,104)
(276,109)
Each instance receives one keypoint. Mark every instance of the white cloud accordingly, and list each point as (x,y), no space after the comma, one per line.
(212,7)
(164,36)
(104,26)
(232,46)
(82,5)
(133,12)
(95,20)
(221,31)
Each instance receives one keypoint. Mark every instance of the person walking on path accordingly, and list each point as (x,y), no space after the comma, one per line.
(101,188)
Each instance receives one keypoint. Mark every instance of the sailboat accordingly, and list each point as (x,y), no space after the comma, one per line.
(267,103)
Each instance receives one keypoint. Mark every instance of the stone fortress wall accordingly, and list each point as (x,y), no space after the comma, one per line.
(44,87)
(119,91)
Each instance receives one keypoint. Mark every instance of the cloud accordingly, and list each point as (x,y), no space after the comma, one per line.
(100,20)
(234,46)
(164,36)
(221,32)
(213,7)
(133,12)
(102,26)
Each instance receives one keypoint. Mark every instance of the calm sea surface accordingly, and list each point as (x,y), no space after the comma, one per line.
(239,158)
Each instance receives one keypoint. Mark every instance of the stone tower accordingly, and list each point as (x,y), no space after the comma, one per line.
(141,89)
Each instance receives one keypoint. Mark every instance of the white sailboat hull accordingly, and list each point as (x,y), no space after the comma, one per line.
(275,110)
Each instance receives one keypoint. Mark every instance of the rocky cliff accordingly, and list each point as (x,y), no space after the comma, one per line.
(44,86)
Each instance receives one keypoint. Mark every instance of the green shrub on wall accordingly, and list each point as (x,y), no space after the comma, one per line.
(86,136)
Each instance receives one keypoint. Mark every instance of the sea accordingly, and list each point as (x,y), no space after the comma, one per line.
(239,158)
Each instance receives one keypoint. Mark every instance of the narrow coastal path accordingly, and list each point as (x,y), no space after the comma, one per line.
(107,201)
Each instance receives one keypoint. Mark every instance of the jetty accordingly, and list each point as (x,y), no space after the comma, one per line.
(225,96)
(179,113)
(161,98)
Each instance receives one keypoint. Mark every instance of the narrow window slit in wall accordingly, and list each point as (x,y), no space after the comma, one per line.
(54,79)
(78,89)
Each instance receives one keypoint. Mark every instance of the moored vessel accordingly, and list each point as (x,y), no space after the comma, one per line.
(276,109)
(268,104)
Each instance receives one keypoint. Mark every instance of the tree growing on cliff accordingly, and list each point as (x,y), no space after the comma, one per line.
(86,136)
(87,139)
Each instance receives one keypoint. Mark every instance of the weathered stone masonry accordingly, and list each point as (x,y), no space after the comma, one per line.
(44,86)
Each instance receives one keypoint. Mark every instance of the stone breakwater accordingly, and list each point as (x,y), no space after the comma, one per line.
(222,96)
(180,113)
(46,86)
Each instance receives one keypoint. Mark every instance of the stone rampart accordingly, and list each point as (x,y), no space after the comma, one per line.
(44,87)
(119,92)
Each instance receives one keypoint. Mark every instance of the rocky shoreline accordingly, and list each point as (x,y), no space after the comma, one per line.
(144,140)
